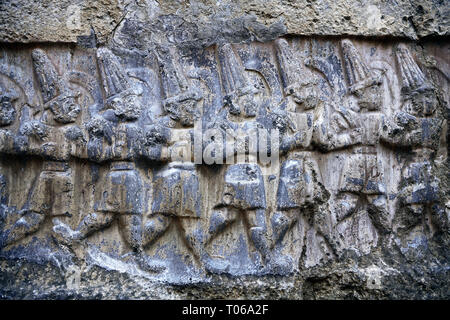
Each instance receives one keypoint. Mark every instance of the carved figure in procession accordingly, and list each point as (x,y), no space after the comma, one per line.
(50,138)
(244,191)
(8,112)
(362,180)
(176,193)
(9,100)
(337,128)
(11,143)
(416,127)
(113,138)
(300,190)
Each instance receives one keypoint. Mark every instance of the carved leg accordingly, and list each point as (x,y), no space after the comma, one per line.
(91,223)
(131,229)
(26,225)
(377,208)
(258,231)
(193,235)
(154,228)
(324,225)
(439,217)
(220,219)
(282,221)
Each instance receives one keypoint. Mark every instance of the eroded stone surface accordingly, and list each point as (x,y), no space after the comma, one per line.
(57,21)
(202,23)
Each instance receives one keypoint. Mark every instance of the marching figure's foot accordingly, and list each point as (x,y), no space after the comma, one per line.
(280,264)
(150,265)
(28,223)
(216,265)
(280,225)
(64,234)
(220,219)
(257,236)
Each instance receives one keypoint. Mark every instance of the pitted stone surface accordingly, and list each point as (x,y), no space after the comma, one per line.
(57,21)
(207,22)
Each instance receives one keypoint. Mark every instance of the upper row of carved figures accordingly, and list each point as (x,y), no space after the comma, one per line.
(79,113)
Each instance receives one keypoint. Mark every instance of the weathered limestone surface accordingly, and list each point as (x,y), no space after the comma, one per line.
(57,21)
(135,140)
(209,21)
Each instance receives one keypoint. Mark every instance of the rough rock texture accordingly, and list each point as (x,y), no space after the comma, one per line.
(66,21)
(57,21)
(224,149)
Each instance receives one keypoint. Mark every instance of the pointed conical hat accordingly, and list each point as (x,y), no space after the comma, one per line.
(284,57)
(359,75)
(413,79)
(50,83)
(232,71)
(173,79)
(113,75)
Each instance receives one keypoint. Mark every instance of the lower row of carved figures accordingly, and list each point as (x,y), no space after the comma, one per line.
(306,122)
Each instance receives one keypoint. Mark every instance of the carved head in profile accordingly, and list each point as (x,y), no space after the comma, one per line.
(62,101)
(243,102)
(242,93)
(419,95)
(307,95)
(421,102)
(99,127)
(7,110)
(280,120)
(125,105)
(183,108)
(120,92)
(248,107)
(65,107)
(364,82)
(369,93)
(304,94)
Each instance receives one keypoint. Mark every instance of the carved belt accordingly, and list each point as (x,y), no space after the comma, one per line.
(364,150)
(302,154)
(181,165)
(55,166)
(122,165)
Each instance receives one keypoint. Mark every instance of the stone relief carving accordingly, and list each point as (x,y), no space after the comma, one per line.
(114,169)
(418,127)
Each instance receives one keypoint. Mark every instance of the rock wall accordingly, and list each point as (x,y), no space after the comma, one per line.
(224,149)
